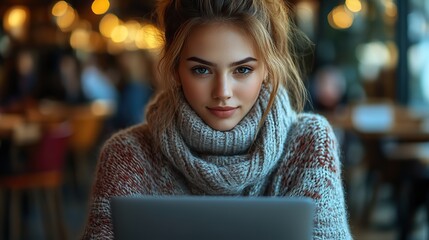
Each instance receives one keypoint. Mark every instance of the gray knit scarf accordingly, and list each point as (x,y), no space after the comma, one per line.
(234,162)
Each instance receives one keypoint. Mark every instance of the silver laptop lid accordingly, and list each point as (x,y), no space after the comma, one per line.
(206,218)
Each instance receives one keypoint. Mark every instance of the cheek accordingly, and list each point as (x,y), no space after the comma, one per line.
(254,92)
(185,82)
(194,92)
(251,91)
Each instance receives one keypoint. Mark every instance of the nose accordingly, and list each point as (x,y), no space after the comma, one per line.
(222,89)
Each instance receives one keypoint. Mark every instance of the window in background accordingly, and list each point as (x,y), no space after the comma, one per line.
(359,38)
(418,53)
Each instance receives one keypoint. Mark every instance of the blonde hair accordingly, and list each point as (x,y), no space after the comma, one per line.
(268,22)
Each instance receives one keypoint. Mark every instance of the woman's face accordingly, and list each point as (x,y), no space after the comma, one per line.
(221,74)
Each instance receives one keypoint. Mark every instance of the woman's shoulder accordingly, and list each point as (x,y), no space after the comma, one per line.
(134,139)
(312,138)
(312,124)
(127,152)
(133,133)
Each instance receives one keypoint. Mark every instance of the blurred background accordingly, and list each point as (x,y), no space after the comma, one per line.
(74,72)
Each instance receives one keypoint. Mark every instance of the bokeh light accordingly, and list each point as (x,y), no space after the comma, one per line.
(340,18)
(100,6)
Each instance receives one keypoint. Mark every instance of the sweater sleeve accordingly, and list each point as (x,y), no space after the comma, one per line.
(117,174)
(312,169)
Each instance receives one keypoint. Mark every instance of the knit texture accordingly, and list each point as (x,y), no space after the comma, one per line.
(291,155)
(226,163)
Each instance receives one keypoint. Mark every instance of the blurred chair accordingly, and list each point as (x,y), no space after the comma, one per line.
(370,120)
(414,191)
(385,129)
(87,125)
(43,177)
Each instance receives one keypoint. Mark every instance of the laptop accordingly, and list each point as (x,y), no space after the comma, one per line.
(210,218)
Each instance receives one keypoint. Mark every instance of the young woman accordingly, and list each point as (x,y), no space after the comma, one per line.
(227,121)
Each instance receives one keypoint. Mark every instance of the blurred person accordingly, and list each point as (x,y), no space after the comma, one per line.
(98,83)
(328,89)
(135,89)
(19,93)
(227,120)
(69,71)
(19,81)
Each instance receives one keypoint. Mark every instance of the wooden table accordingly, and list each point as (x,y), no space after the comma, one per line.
(395,140)
(8,122)
(403,124)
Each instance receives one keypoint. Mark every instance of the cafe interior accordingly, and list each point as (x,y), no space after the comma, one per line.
(72,73)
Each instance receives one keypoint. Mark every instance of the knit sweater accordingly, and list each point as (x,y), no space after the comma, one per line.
(291,155)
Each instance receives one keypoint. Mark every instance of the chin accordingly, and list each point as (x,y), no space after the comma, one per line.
(222,127)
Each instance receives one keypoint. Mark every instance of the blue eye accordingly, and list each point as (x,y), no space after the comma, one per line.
(200,70)
(243,70)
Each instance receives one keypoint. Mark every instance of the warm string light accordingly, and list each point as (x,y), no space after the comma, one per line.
(65,15)
(16,17)
(353,5)
(15,20)
(113,32)
(107,24)
(100,7)
(60,8)
(342,16)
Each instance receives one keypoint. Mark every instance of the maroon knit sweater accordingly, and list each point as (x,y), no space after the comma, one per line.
(296,155)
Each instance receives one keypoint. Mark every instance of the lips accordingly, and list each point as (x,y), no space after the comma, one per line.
(222,112)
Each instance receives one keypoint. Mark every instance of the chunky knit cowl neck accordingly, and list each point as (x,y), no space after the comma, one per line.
(234,162)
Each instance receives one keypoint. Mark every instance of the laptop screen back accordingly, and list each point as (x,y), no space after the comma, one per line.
(202,217)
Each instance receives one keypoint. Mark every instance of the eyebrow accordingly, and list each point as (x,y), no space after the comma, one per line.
(205,62)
